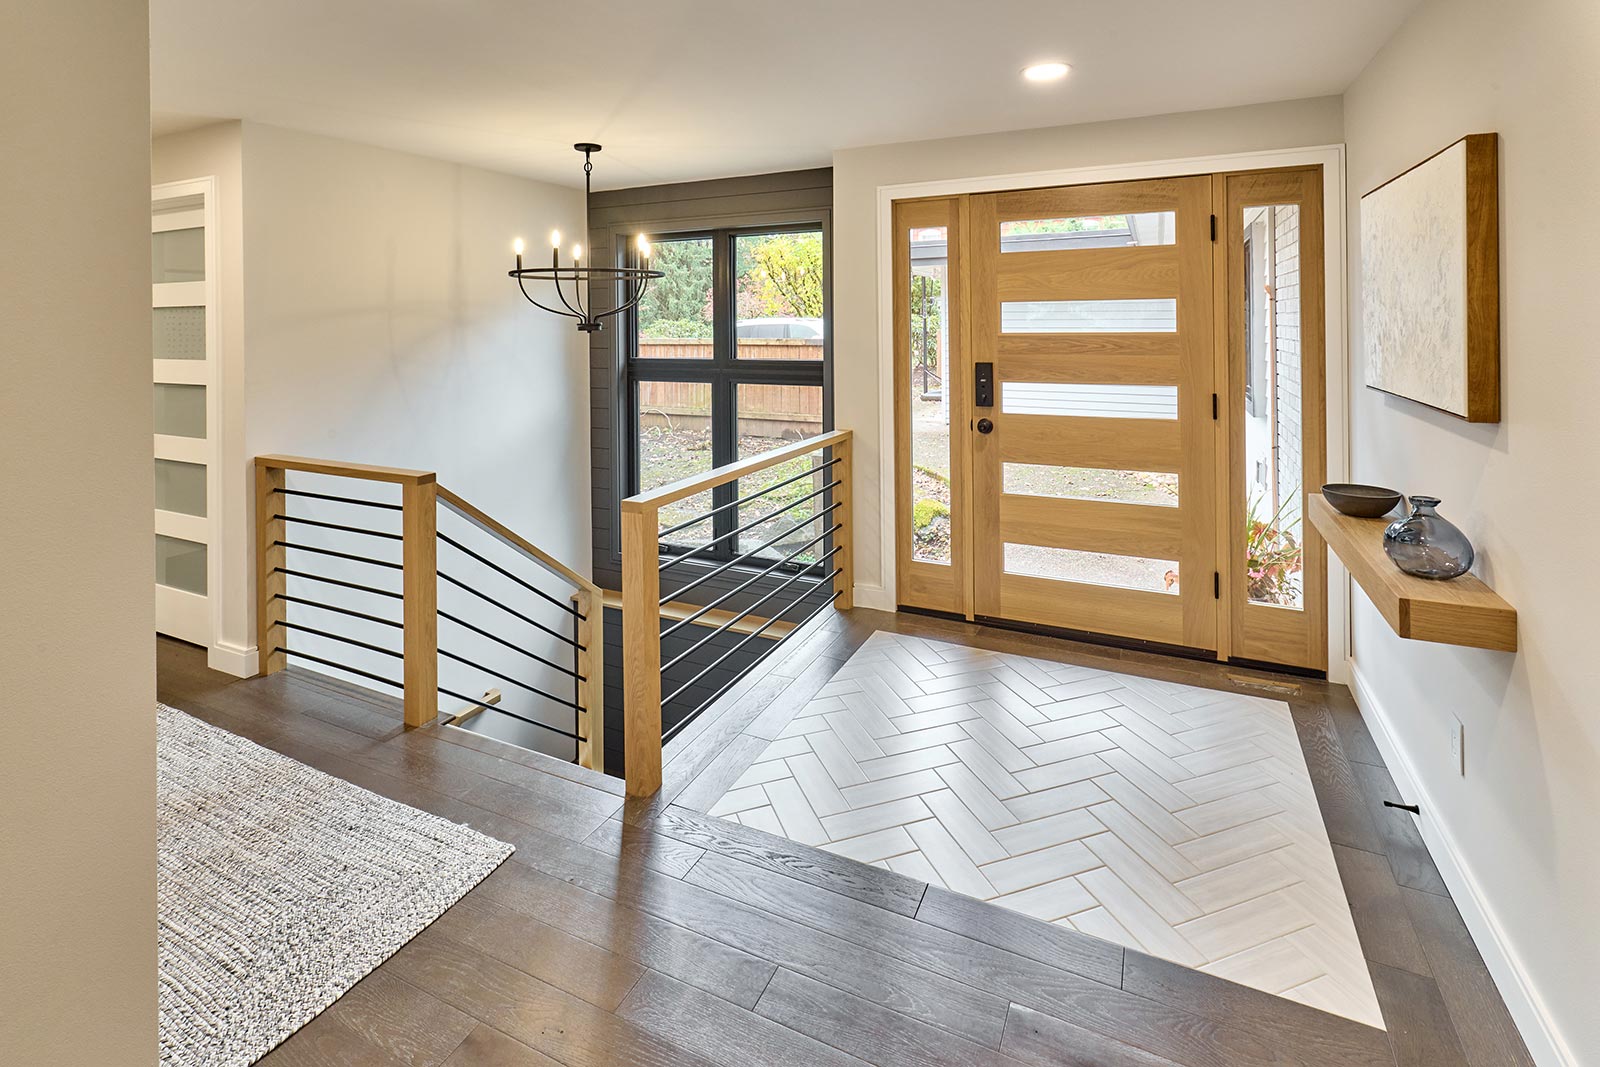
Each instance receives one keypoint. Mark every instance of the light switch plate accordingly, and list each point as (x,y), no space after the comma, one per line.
(1458,755)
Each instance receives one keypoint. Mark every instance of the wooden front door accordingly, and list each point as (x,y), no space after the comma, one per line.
(1093,405)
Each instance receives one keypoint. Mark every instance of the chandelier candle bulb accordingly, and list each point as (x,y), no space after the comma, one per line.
(517,246)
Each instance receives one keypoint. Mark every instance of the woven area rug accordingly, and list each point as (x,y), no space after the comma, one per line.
(280,887)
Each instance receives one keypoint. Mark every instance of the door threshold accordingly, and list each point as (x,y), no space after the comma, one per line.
(1276,668)
(1090,637)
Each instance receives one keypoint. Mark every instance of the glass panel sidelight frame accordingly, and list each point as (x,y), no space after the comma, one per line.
(932,408)
(1275,564)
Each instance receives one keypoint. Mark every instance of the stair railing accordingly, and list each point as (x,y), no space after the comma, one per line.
(503,625)
(787,573)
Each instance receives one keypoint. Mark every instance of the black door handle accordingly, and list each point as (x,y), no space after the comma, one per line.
(985,425)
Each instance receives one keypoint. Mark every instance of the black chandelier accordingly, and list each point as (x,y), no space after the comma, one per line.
(634,280)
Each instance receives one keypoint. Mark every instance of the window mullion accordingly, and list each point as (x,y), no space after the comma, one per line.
(724,417)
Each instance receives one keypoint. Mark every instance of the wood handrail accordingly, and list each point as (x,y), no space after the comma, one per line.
(683,488)
(491,525)
(364,471)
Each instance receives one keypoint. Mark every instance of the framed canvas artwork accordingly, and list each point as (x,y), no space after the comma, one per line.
(1430,281)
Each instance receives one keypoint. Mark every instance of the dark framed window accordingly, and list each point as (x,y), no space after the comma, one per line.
(726,357)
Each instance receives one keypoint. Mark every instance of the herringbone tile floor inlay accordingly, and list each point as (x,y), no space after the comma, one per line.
(1172,819)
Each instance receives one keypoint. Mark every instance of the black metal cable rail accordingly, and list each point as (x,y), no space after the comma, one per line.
(286,598)
(340,499)
(340,526)
(480,631)
(768,543)
(703,516)
(459,584)
(678,726)
(330,635)
(288,626)
(512,681)
(696,550)
(736,590)
(291,572)
(492,565)
(341,555)
(750,610)
(340,666)
(471,701)
(751,636)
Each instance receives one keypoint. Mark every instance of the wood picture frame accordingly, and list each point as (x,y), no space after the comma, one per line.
(1430,281)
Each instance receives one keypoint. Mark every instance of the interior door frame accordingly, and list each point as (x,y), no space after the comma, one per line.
(1336,344)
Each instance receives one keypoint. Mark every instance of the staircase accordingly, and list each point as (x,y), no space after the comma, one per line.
(383,577)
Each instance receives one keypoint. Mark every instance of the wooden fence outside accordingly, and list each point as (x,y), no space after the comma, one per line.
(765,410)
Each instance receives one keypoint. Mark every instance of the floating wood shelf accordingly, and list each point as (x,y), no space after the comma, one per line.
(1461,611)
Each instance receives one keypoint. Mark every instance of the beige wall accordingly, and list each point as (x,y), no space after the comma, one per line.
(858,172)
(77,769)
(216,151)
(1522,820)
(380,327)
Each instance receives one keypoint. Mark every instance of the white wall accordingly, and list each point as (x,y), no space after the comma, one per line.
(1522,820)
(216,151)
(77,768)
(380,327)
(859,172)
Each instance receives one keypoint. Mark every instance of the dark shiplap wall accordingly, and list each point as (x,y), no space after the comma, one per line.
(794,196)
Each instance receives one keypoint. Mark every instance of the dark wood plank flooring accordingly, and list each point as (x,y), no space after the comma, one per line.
(626,932)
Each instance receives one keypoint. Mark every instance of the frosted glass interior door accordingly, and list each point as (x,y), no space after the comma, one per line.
(183,405)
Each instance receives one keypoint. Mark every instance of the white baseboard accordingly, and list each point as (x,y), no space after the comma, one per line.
(237,660)
(874,596)
(1527,1009)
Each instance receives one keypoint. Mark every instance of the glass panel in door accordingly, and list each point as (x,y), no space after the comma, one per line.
(1274,555)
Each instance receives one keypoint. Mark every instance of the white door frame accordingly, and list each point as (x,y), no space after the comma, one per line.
(1332,159)
(208,451)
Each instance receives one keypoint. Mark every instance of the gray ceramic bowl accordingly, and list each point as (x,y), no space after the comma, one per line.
(1362,501)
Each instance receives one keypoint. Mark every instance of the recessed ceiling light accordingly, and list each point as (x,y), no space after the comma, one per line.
(1045,72)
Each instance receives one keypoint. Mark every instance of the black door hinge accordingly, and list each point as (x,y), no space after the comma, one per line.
(1215,412)
(1213,227)
(1216,585)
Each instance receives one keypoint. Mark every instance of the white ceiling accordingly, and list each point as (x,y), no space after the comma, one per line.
(685,89)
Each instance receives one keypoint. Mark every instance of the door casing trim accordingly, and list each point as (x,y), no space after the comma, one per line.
(1331,157)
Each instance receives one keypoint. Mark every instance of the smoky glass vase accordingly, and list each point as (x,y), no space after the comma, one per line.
(1426,544)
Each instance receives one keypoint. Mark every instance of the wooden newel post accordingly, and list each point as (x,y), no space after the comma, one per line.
(269,558)
(641,647)
(419,556)
(591,606)
(844,582)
